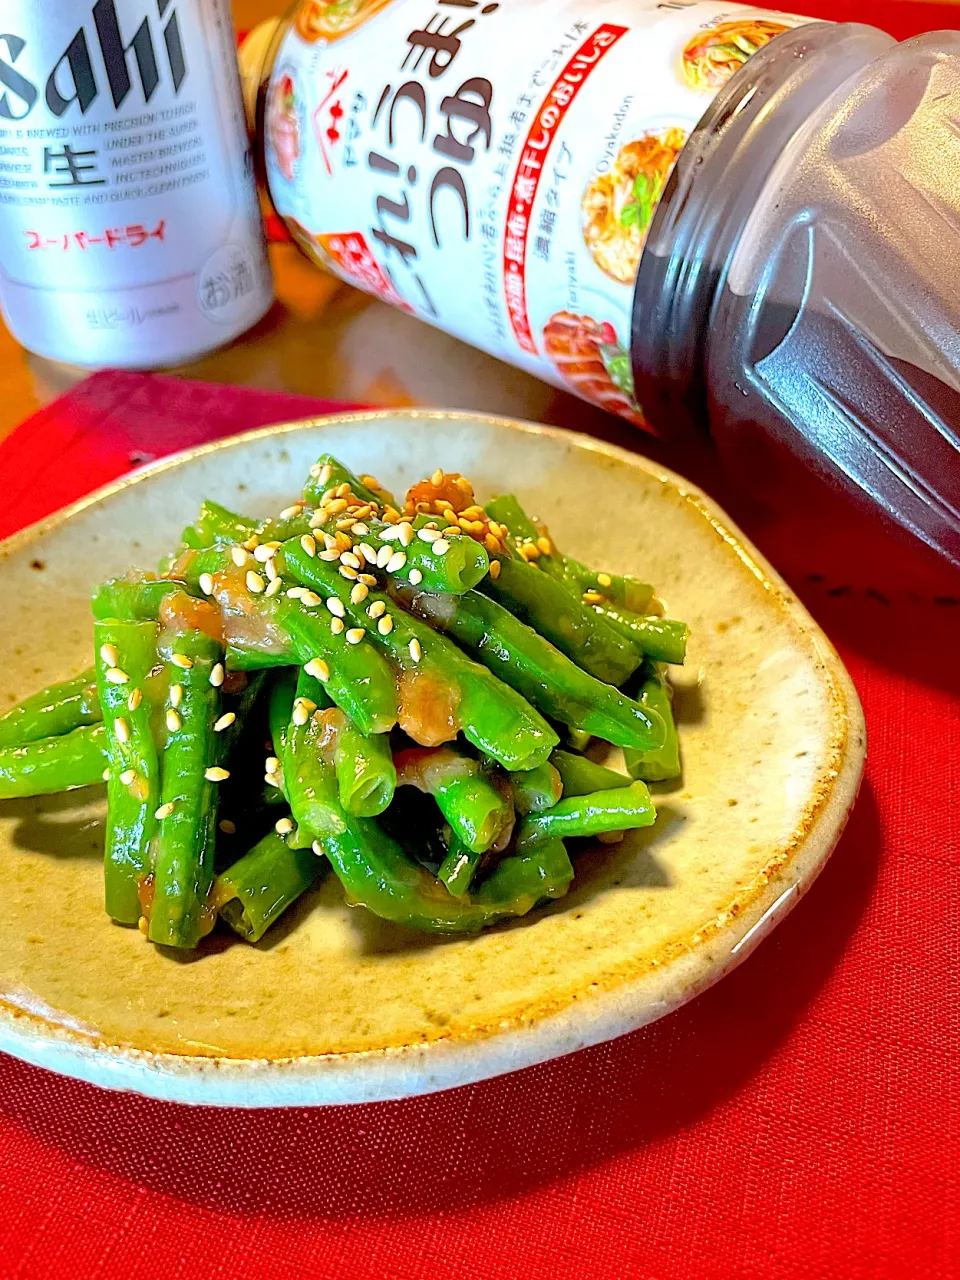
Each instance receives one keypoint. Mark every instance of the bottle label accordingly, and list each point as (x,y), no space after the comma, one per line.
(129,225)
(493,167)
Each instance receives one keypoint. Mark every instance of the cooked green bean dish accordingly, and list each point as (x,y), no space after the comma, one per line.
(405,694)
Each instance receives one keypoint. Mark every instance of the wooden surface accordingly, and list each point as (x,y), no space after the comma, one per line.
(326,339)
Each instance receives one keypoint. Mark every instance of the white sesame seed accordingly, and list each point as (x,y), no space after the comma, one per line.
(225,721)
(272,765)
(353,561)
(604,580)
(368,579)
(383,555)
(299,715)
(216,675)
(239,556)
(108,652)
(406,533)
(494,569)
(165,810)
(437,478)
(396,562)
(254,582)
(176,693)
(274,586)
(441,546)
(206,583)
(283,826)
(310,599)
(115,676)
(360,530)
(335,605)
(273,779)
(293,510)
(367,552)
(216,774)
(317,519)
(416,653)
(173,720)
(355,635)
(182,661)
(296,592)
(347,572)
(416,577)
(272,571)
(121,729)
(309,545)
(227,827)
(326,471)
(359,593)
(336,625)
(377,609)
(105,775)
(391,533)
(385,625)
(317,848)
(134,700)
(330,542)
(428,535)
(318,668)
(128,776)
(251,543)
(266,552)
(330,555)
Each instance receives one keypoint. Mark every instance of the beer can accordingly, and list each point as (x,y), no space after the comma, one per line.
(130,230)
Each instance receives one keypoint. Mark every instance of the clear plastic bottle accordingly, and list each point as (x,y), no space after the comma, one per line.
(742,221)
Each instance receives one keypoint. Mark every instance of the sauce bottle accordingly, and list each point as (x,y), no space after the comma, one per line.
(699,216)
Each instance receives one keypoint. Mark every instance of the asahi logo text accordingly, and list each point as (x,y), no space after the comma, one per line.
(77,76)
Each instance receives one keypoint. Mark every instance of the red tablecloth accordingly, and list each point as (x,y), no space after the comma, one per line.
(800,1120)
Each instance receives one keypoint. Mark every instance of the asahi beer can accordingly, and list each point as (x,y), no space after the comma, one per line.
(130,232)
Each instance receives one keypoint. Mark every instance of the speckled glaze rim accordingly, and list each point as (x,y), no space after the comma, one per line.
(629,999)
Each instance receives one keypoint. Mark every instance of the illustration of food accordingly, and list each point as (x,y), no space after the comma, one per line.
(283,126)
(331,20)
(592,362)
(711,57)
(618,205)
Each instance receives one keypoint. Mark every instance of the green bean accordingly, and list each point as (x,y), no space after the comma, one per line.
(478,811)
(664,761)
(544,604)
(619,588)
(506,510)
(537,789)
(126,656)
(132,599)
(217,524)
(308,782)
(53,711)
(491,715)
(253,893)
(459,867)
(376,874)
(327,473)
(183,863)
(48,765)
(590,815)
(663,639)
(532,666)
(279,630)
(581,777)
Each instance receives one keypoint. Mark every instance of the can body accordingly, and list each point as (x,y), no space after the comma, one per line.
(493,167)
(130,233)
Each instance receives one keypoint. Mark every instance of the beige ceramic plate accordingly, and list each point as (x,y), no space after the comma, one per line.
(335,1006)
